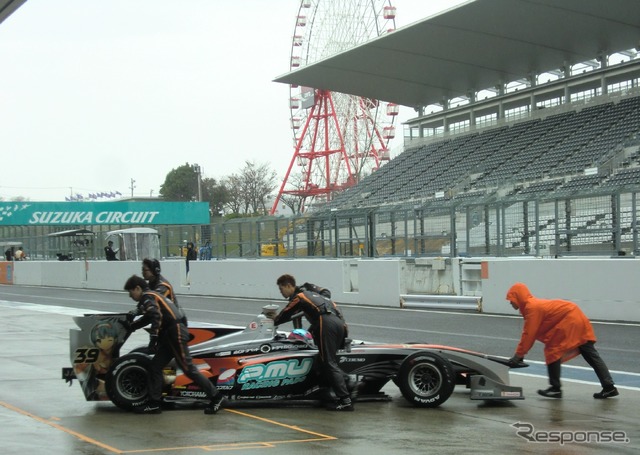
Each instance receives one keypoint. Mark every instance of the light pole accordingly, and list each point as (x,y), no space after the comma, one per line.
(197,170)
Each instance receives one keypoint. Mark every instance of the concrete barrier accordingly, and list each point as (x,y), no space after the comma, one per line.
(605,288)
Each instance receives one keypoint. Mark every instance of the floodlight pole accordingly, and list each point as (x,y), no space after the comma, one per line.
(197,170)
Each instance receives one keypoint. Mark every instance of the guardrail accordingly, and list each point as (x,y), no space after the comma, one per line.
(441,302)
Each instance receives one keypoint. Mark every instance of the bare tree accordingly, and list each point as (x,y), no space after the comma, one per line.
(294,202)
(235,198)
(258,182)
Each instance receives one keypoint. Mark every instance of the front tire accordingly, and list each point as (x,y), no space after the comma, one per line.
(426,379)
(127,381)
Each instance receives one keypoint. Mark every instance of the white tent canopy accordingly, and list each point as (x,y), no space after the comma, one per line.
(135,244)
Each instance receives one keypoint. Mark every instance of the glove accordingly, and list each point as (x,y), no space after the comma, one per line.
(153,344)
(131,315)
(126,324)
(515,361)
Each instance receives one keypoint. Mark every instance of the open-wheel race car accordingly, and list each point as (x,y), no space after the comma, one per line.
(257,362)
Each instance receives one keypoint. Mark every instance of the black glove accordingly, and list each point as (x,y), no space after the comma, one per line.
(126,324)
(153,344)
(131,315)
(515,361)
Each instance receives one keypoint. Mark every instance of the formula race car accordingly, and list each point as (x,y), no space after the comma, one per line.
(257,362)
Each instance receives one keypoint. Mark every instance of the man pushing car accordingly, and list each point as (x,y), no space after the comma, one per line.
(328,329)
(565,331)
(168,337)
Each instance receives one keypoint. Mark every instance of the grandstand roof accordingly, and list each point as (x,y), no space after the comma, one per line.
(7,7)
(475,46)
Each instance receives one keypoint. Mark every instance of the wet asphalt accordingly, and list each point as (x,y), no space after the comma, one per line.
(40,414)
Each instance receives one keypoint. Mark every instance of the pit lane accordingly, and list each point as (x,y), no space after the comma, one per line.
(39,413)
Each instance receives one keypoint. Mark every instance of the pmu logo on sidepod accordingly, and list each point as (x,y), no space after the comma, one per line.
(276,370)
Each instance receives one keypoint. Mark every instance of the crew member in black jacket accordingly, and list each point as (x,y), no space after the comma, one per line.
(328,329)
(151,272)
(168,338)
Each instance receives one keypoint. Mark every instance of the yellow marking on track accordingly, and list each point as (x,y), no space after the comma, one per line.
(206,448)
(292,427)
(248,445)
(80,436)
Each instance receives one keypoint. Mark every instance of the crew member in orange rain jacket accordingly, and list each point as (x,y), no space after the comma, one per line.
(565,331)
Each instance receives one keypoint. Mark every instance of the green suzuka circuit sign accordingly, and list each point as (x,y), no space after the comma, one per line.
(97,213)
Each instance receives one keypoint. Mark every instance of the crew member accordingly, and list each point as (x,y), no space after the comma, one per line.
(328,329)
(168,338)
(157,282)
(565,331)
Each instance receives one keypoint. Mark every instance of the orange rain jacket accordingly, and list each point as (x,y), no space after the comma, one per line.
(559,324)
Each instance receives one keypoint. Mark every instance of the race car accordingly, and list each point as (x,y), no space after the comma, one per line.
(258,362)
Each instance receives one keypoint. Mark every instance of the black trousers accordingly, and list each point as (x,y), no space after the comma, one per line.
(173,344)
(328,335)
(591,355)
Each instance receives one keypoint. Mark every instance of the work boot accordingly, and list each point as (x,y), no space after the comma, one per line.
(215,404)
(606,392)
(344,404)
(551,392)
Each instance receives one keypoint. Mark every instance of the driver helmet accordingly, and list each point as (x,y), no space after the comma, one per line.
(300,334)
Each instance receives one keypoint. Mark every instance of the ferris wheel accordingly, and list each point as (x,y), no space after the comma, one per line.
(338,138)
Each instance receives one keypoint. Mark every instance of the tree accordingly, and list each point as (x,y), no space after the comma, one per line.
(233,185)
(294,202)
(246,192)
(180,184)
(216,195)
(258,182)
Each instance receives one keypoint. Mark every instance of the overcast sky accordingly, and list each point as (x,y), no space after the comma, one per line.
(95,93)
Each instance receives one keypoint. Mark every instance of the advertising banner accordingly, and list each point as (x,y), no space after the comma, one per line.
(29,213)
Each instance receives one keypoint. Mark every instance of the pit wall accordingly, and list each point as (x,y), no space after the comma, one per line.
(606,289)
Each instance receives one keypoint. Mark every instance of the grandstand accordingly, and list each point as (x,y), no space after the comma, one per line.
(530,157)
(542,158)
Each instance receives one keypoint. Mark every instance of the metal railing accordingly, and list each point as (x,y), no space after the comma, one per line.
(602,224)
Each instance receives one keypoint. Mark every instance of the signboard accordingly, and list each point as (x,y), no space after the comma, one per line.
(307,97)
(102,213)
(6,272)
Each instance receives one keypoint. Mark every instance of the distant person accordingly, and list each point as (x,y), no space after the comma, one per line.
(565,331)
(205,252)
(109,252)
(8,254)
(192,255)
(20,255)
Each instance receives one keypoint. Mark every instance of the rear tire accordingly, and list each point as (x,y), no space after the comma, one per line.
(127,381)
(426,379)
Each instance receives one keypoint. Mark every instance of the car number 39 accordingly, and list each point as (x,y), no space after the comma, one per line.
(86,355)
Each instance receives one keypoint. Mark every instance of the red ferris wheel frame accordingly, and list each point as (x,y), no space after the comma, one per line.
(336,147)
(321,120)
